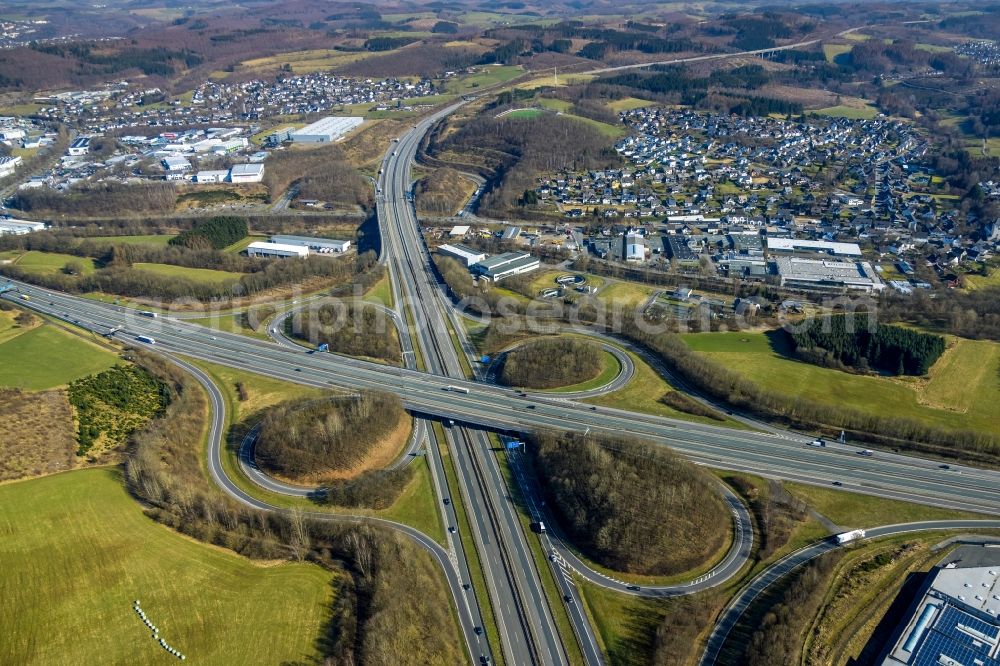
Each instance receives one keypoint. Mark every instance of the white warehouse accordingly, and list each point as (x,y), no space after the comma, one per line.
(321,245)
(464,254)
(247,173)
(261,249)
(9,225)
(326,130)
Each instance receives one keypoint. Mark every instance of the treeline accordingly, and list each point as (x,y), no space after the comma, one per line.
(516,150)
(631,505)
(313,437)
(94,58)
(352,328)
(388,43)
(322,173)
(775,511)
(970,314)
(551,363)
(779,634)
(373,489)
(215,232)
(383,581)
(95,199)
(862,344)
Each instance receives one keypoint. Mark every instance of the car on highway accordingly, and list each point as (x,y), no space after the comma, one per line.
(567,598)
(633,588)
(478,630)
(451,529)
(944,466)
(447,501)
(837,483)
(817,442)
(866,452)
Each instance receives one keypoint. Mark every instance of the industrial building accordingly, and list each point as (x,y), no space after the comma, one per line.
(175,163)
(953,621)
(247,173)
(466,255)
(262,249)
(79,147)
(8,164)
(279,136)
(828,275)
(635,248)
(212,176)
(10,226)
(321,245)
(505,265)
(792,245)
(326,130)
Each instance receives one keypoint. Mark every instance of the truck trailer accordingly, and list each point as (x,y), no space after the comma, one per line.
(846,537)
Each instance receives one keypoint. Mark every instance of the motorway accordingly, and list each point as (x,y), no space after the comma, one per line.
(528,633)
(746,596)
(777,455)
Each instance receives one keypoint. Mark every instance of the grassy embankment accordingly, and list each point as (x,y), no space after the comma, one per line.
(960,391)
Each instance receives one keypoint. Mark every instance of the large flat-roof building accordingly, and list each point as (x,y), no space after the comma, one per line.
(326,130)
(10,226)
(247,173)
(828,275)
(8,164)
(953,621)
(505,265)
(321,245)
(466,255)
(262,249)
(792,245)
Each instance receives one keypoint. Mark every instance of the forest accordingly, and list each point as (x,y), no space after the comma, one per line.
(631,505)
(551,363)
(355,329)
(95,199)
(515,150)
(215,232)
(301,438)
(864,345)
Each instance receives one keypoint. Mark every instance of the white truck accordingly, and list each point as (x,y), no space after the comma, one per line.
(846,537)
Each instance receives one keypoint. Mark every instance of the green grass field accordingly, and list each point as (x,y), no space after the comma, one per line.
(524,114)
(152,239)
(843,111)
(486,76)
(961,390)
(628,295)
(643,393)
(831,51)
(627,104)
(855,510)
(46,356)
(205,275)
(381,293)
(49,263)
(76,552)
(973,282)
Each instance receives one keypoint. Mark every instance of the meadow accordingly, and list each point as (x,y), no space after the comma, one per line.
(960,391)
(204,275)
(46,356)
(77,550)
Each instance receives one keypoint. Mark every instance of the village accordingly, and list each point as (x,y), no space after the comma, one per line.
(717,192)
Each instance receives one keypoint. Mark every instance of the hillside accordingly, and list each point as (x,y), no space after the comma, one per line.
(442,192)
(631,505)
